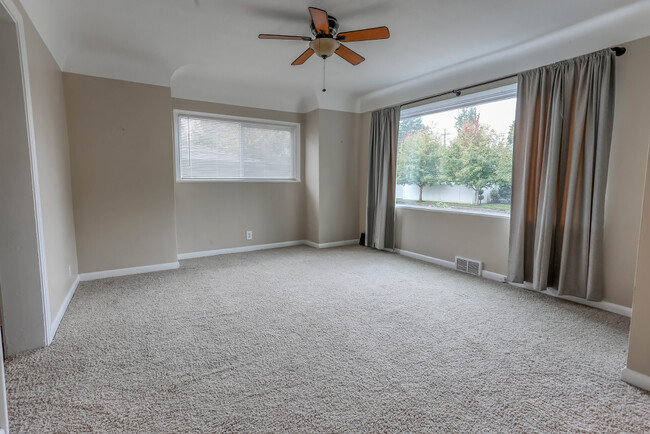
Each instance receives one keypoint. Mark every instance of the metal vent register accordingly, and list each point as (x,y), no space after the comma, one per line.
(469,266)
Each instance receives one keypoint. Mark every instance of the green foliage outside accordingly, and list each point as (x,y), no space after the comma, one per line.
(478,158)
(419,161)
(467,115)
(410,126)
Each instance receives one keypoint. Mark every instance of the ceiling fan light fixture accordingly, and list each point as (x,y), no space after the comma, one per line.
(324,47)
(327,39)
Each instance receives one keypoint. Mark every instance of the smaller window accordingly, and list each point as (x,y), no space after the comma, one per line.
(224,148)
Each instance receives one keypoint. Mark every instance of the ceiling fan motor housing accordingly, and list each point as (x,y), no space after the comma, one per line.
(333,25)
(324,45)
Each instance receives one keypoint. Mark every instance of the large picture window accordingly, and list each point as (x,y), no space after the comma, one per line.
(216,148)
(457,154)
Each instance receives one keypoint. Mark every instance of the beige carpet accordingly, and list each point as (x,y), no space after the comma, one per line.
(336,340)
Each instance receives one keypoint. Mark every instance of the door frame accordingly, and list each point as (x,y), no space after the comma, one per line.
(15,14)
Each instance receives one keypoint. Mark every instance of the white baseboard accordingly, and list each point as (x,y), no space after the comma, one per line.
(54,325)
(430,259)
(128,271)
(192,255)
(603,305)
(448,264)
(493,276)
(635,378)
(329,245)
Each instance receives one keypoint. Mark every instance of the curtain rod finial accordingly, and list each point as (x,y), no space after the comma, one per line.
(619,51)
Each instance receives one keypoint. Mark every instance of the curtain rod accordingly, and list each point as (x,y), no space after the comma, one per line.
(619,51)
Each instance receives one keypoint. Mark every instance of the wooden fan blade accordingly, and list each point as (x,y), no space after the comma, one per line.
(349,55)
(303,57)
(294,38)
(365,34)
(321,23)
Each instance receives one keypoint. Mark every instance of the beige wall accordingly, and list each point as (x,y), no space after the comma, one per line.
(216,215)
(332,181)
(627,171)
(322,207)
(312,177)
(51,141)
(416,228)
(338,179)
(364,154)
(639,350)
(208,215)
(444,235)
(121,158)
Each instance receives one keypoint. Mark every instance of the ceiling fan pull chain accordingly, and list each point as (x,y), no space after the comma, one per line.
(324,75)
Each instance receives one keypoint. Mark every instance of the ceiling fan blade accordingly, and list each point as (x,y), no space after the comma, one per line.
(364,35)
(294,38)
(321,23)
(349,55)
(303,57)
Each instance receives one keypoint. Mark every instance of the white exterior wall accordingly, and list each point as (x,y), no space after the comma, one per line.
(441,193)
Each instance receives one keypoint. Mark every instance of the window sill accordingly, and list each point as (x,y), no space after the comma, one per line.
(455,211)
(249,180)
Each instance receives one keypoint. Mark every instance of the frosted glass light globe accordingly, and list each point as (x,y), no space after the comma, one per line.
(324,47)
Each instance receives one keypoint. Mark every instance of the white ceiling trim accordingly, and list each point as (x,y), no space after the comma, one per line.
(157,41)
(615,28)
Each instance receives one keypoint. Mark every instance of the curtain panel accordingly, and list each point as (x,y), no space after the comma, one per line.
(380,205)
(561,154)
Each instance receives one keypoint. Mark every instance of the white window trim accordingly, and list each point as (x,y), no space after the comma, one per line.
(469,100)
(177,160)
(472,99)
(486,213)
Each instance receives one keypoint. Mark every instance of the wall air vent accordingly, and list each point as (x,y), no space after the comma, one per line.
(469,266)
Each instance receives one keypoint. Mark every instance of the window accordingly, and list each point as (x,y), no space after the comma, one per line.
(457,154)
(222,148)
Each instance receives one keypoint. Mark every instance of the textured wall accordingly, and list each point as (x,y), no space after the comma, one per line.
(332,182)
(639,349)
(445,235)
(121,157)
(627,169)
(364,154)
(338,178)
(53,156)
(312,182)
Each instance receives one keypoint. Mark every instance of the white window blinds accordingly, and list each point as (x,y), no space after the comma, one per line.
(225,149)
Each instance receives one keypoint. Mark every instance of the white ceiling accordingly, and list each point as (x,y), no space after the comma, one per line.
(209,50)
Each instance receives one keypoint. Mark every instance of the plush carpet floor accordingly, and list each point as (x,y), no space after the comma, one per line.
(335,340)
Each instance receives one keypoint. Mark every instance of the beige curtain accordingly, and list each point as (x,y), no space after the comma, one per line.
(380,205)
(561,154)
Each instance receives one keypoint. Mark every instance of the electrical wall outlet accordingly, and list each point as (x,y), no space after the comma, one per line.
(69,270)
(249,235)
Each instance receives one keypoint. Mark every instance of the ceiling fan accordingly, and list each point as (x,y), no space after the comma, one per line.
(327,40)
